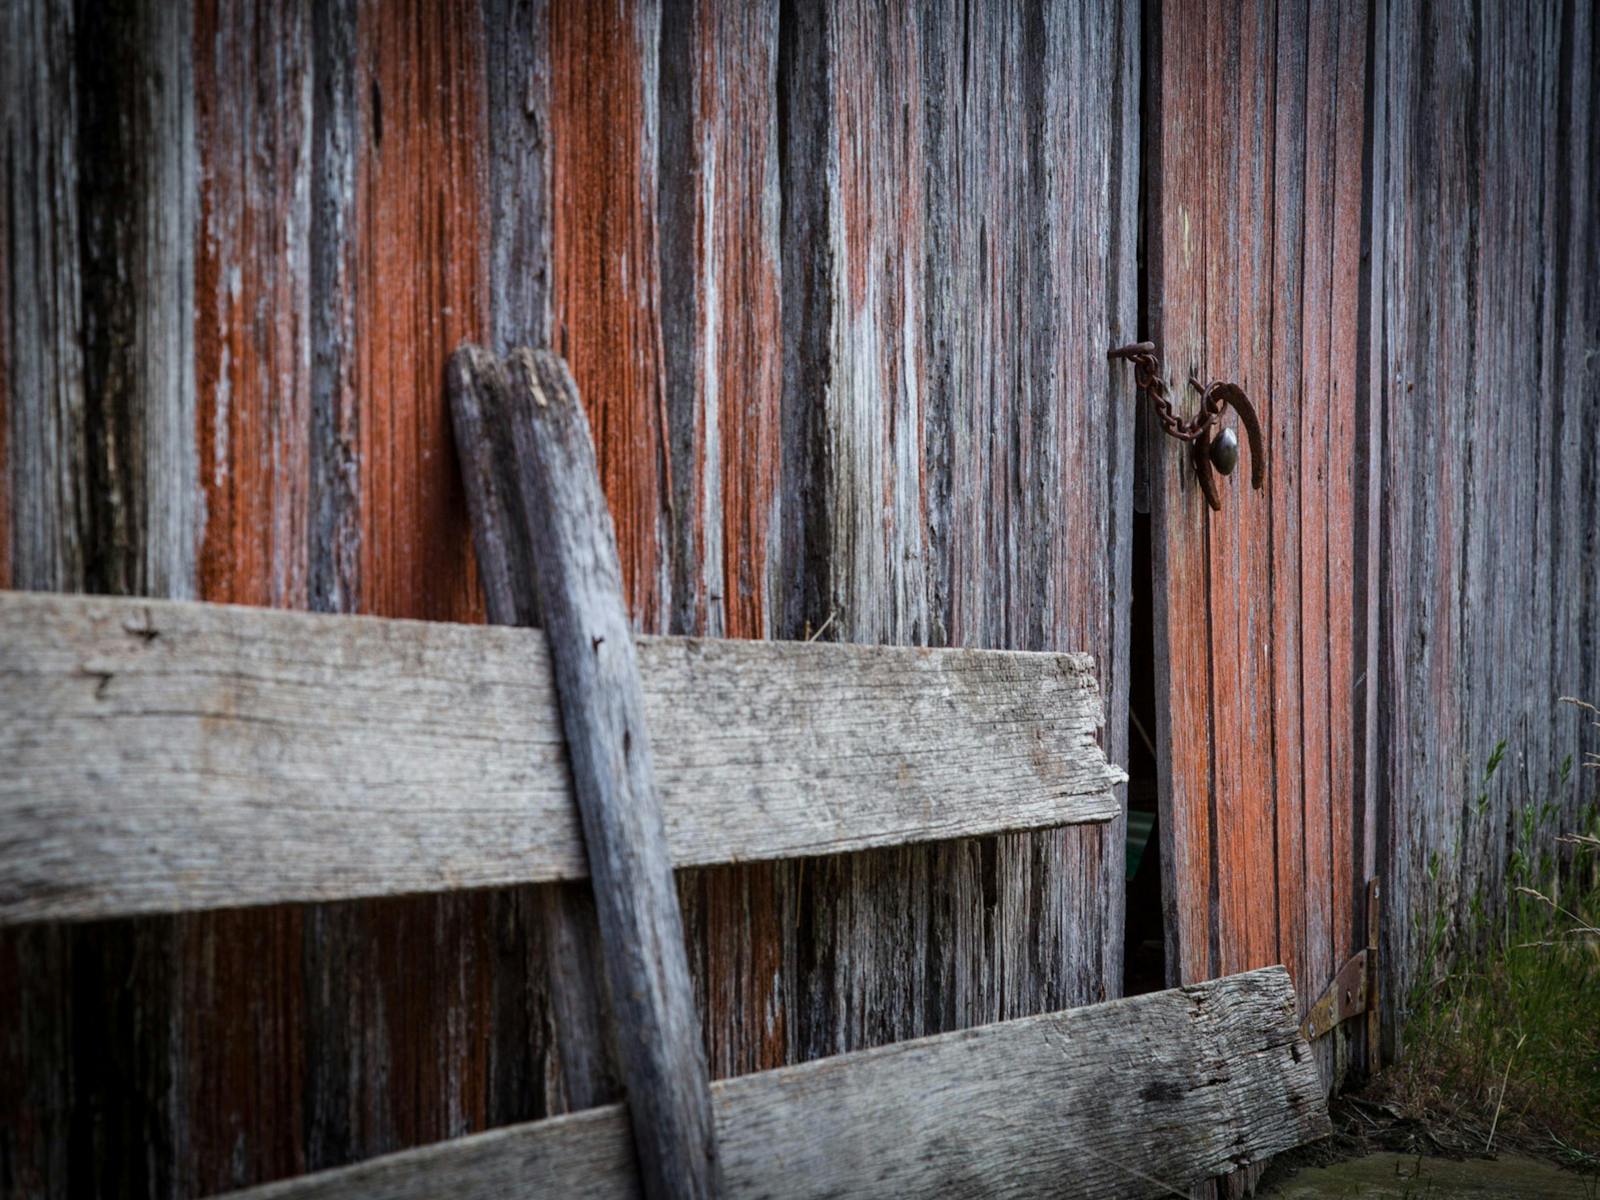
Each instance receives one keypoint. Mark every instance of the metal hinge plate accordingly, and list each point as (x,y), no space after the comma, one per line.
(1354,989)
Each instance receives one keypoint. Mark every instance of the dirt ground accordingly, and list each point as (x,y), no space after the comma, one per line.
(1377,1150)
(1415,1176)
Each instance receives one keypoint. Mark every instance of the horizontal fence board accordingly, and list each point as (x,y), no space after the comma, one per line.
(1136,1097)
(161,756)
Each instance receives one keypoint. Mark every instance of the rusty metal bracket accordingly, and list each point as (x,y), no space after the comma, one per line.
(1354,989)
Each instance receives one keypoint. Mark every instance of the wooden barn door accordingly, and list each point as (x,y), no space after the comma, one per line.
(1254,176)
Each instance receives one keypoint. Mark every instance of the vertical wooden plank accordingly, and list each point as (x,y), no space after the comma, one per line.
(1255,626)
(253,77)
(1289,240)
(244,1064)
(1250,516)
(1085,447)
(605,272)
(423,275)
(1370,425)
(867,553)
(1220,230)
(1430,363)
(1573,298)
(43,353)
(721,313)
(1346,486)
(137,213)
(333,570)
(1177,188)
(1316,502)
(1238,320)
(101,473)
(517,58)
(721,303)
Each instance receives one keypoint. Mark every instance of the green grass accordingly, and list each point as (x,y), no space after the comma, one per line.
(1506,1046)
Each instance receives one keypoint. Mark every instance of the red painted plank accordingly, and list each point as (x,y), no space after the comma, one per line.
(604,269)
(243,1020)
(252,284)
(1314,450)
(421,272)
(1179,186)
(1228,557)
(1240,296)
(1346,487)
(1289,237)
(1254,278)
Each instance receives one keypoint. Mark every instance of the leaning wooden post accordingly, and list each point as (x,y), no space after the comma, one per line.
(602,710)
(481,408)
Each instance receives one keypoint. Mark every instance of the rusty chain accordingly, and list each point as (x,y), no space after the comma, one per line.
(1197,431)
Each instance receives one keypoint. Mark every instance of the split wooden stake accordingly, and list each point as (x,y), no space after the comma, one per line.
(541,508)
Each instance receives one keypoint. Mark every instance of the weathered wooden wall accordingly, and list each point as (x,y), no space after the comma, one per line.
(1486,385)
(1254,186)
(836,284)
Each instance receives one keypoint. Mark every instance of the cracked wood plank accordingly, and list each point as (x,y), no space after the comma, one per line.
(167,756)
(1130,1098)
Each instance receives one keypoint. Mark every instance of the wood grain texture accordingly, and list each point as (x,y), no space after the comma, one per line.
(253,279)
(100,267)
(605,269)
(608,746)
(137,197)
(103,495)
(420,258)
(45,453)
(928,451)
(1021,1108)
(720,308)
(1175,304)
(1256,639)
(461,165)
(177,756)
(1488,313)
(718,187)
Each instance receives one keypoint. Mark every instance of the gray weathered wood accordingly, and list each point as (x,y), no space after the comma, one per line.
(165,756)
(476,383)
(1130,1098)
(601,697)
(1485,318)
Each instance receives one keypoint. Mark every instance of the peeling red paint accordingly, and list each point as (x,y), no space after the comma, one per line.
(1261,794)
(607,294)
(421,290)
(252,369)
(740,248)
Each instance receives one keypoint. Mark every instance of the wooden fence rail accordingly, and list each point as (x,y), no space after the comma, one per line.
(166,756)
(1132,1098)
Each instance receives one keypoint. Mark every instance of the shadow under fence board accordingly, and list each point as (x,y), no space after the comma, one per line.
(1129,1098)
(163,756)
